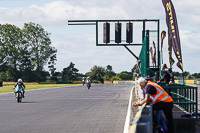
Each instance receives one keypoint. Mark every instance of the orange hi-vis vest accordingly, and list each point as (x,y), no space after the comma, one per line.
(161,94)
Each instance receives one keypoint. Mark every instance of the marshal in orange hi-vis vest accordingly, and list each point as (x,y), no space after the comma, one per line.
(161,95)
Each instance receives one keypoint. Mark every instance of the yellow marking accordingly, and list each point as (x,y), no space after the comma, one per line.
(176,81)
(189,82)
(132,128)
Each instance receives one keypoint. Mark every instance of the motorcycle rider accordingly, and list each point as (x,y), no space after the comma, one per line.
(21,84)
(83,80)
(88,81)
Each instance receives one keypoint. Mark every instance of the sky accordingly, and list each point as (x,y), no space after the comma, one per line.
(77,44)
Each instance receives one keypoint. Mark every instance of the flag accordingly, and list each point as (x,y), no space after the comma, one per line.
(163,35)
(154,56)
(151,51)
(173,30)
(171,60)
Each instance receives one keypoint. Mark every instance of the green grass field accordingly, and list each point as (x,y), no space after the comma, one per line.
(9,88)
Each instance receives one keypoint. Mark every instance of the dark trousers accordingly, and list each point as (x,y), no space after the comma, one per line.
(167,109)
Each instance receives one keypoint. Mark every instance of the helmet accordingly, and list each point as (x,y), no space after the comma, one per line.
(88,77)
(20,80)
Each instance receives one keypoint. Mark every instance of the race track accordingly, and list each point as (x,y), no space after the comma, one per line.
(102,109)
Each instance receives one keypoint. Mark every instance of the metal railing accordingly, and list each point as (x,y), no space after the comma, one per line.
(184,96)
(142,122)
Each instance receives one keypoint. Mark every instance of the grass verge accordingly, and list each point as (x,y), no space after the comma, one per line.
(9,88)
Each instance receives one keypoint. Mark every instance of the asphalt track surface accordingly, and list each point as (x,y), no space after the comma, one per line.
(102,109)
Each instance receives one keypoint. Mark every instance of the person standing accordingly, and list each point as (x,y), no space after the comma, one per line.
(167,75)
(160,99)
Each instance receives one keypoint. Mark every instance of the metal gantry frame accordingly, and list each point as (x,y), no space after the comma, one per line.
(96,23)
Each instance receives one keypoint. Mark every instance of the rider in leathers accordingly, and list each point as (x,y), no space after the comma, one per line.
(21,84)
(88,80)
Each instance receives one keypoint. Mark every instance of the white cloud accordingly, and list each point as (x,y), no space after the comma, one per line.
(58,12)
(188,11)
(189,41)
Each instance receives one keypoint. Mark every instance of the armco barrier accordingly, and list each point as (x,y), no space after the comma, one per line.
(189,82)
(181,82)
(47,83)
(142,122)
(107,82)
(124,82)
(96,82)
(67,82)
(115,82)
(176,81)
(77,82)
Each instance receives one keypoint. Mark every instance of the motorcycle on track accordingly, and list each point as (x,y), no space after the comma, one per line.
(18,93)
(83,81)
(88,84)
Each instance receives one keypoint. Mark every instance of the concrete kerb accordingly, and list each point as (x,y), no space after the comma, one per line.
(143,117)
(130,112)
(128,115)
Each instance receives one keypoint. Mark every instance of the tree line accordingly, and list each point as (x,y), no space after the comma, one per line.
(187,75)
(24,52)
(99,73)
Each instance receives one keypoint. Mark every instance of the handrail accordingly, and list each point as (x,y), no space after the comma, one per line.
(185,96)
(142,120)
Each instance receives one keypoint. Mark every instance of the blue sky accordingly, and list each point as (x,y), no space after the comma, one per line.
(77,43)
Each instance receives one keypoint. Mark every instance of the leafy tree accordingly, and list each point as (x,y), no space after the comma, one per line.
(57,76)
(196,75)
(109,73)
(27,72)
(12,45)
(80,76)
(107,77)
(24,51)
(52,64)
(70,73)
(124,75)
(186,73)
(42,76)
(190,77)
(97,73)
(116,78)
(133,78)
(109,69)
(88,74)
(177,74)
(39,46)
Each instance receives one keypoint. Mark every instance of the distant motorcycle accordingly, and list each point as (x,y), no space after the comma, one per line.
(18,94)
(83,81)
